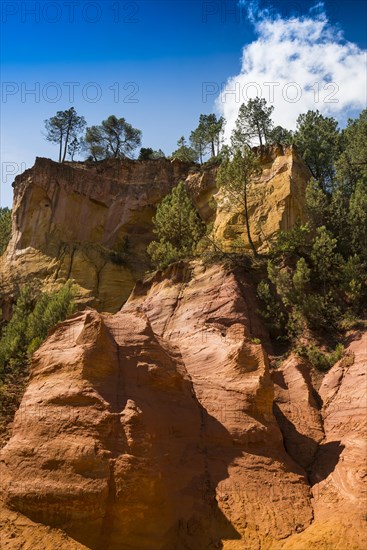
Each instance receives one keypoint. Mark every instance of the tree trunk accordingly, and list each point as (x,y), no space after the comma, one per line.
(247,222)
(60,149)
(66,142)
(259,134)
(213,149)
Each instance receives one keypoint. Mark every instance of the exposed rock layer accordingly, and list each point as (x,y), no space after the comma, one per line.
(92,222)
(155,427)
(88,222)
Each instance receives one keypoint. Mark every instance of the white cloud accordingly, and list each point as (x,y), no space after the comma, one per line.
(297,64)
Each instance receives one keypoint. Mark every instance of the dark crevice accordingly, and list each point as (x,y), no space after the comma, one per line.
(108,519)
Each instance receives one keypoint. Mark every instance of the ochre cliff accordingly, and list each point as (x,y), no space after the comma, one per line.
(92,222)
(161,427)
(88,222)
(276,200)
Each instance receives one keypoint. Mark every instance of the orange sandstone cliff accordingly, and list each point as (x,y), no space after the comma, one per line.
(161,427)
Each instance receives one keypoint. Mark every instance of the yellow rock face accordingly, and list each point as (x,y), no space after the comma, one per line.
(275,201)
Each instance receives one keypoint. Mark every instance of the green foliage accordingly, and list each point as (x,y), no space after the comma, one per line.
(318,140)
(5,228)
(32,317)
(64,128)
(292,242)
(325,259)
(353,282)
(114,138)
(312,286)
(147,153)
(317,204)
(208,135)
(178,228)
(28,327)
(199,142)
(358,220)
(272,311)
(74,147)
(321,361)
(344,216)
(253,122)
(184,152)
(280,135)
(351,166)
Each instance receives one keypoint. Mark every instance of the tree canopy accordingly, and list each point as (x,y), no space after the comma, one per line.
(210,129)
(113,138)
(253,123)
(351,165)
(317,140)
(64,127)
(185,152)
(147,153)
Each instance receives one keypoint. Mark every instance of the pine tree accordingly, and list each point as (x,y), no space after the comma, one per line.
(115,138)
(184,152)
(317,139)
(178,229)
(253,123)
(62,128)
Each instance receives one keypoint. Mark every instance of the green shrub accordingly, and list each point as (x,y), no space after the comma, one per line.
(272,311)
(320,360)
(292,242)
(32,318)
(5,228)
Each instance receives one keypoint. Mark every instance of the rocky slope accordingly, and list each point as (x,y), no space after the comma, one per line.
(162,426)
(92,222)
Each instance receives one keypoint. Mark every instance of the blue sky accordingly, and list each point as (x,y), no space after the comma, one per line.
(158,63)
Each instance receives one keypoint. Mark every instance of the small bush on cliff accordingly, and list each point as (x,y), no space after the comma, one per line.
(320,360)
(5,228)
(178,228)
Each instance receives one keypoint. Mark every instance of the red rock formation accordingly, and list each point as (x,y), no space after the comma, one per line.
(325,432)
(339,472)
(154,429)
(154,426)
(297,409)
